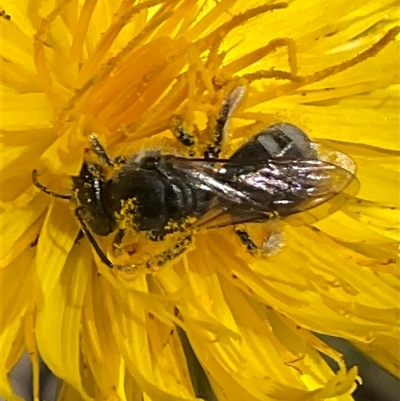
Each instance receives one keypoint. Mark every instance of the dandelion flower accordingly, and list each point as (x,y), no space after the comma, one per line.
(128,71)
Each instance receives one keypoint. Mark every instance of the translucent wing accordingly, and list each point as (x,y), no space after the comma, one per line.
(294,185)
(342,161)
(260,191)
(219,214)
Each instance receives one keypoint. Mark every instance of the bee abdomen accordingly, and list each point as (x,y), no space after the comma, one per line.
(278,140)
(183,199)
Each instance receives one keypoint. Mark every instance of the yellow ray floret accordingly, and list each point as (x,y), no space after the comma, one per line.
(133,73)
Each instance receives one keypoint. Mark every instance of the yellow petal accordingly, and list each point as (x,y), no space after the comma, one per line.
(16,44)
(294,281)
(154,373)
(63,279)
(98,342)
(28,111)
(68,393)
(20,228)
(256,361)
(17,278)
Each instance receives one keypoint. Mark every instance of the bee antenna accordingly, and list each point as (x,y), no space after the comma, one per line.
(37,184)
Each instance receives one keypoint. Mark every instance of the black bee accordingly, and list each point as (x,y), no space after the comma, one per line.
(277,173)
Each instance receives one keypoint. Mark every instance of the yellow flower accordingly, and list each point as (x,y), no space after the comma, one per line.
(128,71)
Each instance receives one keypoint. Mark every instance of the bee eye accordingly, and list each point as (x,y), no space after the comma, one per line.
(150,162)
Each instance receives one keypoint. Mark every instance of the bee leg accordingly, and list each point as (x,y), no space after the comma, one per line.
(154,263)
(156,235)
(186,138)
(244,236)
(218,133)
(97,148)
(214,149)
(92,240)
(272,244)
(37,184)
(118,241)
(179,247)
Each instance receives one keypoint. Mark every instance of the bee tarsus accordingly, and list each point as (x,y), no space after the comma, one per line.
(246,240)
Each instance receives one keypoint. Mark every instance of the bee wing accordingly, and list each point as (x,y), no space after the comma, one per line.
(348,168)
(300,185)
(219,215)
(209,176)
(272,188)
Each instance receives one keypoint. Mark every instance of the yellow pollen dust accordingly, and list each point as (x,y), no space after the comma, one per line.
(125,217)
